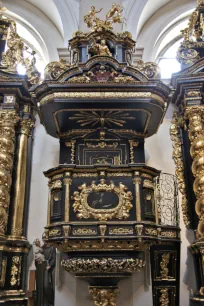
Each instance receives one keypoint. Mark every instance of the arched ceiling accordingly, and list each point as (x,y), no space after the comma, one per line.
(49,8)
(57,20)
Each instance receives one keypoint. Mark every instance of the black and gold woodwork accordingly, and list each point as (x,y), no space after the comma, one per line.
(105,205)
(187,133)
(16,126)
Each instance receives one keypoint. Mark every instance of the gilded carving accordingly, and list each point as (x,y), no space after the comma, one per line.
(84,211)
(103,296)
(54,232)
(150,69)
(117,174)
(54,69)
(66,230)
(100,48)
(101,245)
(16,271)
(168,234)
(8,120)
(195,114)
(85,175)
(14,54)
(102,229)
(26,126)
(31,70)
(178,159)
(151,231)
(3,271)
(102,145)
(164,298)
(139,229)
(189,50)
(72,144)
(56,184)
(121,231)
(102,265)
(100,95)
(132,145)
(164,266)
(148,184)
(98,25)
(84,231)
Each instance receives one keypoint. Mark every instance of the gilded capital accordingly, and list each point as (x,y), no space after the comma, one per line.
(26,126)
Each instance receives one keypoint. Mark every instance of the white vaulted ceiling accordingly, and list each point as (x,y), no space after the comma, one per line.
(49,8)
(56,20)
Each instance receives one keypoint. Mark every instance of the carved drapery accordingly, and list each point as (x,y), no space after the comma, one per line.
(8,120)
(20,184)
(195,116)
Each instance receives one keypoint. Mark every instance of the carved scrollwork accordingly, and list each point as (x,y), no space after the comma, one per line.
(150,69)
(84,210)
(16,271)
(54,69)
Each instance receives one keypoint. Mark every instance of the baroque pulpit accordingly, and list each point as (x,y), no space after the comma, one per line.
(106,207)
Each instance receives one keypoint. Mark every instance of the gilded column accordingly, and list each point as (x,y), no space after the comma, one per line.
(8,120)
(67,182)
(20,184)
(195,115)
(137,182)
(49,203)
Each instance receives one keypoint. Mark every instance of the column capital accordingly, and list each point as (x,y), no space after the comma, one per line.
(26,126)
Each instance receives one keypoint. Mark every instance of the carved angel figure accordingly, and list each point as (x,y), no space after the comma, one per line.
(90,19)
(14,54)
(98,25)
(115,14)
(32,72)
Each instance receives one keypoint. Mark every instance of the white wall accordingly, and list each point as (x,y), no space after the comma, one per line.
(74,292)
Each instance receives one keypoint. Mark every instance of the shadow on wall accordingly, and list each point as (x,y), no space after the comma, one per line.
(189,277)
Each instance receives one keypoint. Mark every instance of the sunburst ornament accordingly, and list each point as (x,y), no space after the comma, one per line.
(102,118)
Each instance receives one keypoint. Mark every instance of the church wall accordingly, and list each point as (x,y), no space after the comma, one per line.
(74,292)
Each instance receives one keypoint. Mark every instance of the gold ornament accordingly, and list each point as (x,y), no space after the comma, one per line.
(98,25)
(121,211)
(103,296)
(178,159)
(195,114)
